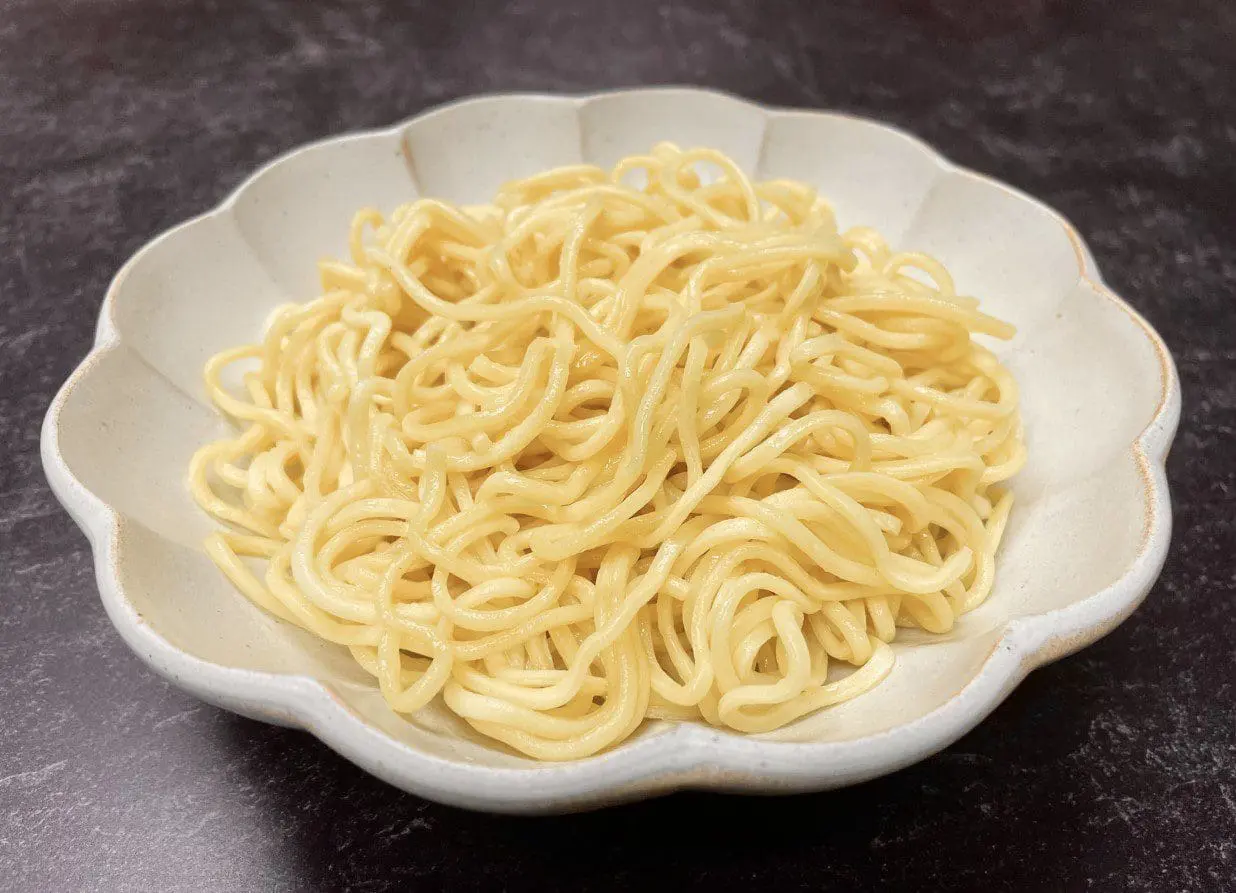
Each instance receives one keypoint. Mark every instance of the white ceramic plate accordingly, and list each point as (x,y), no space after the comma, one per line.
(1088,534)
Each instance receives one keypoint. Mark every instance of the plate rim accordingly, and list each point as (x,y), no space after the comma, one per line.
(687,755)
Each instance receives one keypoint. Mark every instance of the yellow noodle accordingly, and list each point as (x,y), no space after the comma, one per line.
(599,453)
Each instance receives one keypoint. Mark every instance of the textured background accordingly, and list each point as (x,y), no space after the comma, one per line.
(1114,769)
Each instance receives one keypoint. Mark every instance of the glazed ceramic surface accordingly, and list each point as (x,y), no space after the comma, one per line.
(1088,534)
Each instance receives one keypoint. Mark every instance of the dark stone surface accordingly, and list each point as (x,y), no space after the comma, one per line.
(1114,769)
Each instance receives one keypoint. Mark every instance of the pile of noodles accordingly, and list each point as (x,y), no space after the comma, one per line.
(602,452)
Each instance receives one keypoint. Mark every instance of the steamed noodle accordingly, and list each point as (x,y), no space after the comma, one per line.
(604,452)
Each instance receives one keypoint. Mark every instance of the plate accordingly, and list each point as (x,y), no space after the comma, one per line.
(1088,535)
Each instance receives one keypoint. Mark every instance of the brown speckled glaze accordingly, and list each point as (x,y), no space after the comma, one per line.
(999,241)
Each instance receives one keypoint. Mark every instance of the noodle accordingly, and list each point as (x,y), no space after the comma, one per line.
(600,453)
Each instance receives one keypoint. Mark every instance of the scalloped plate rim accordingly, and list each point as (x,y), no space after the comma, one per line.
(682,756)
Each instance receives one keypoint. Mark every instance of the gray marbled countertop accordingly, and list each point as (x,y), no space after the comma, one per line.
(1113,769)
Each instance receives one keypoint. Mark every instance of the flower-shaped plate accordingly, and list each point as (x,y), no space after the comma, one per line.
(1088,534)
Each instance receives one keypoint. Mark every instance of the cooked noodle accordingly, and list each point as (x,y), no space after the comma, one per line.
(603,452)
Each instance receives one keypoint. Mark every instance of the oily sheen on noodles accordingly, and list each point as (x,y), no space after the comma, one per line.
(658,442)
